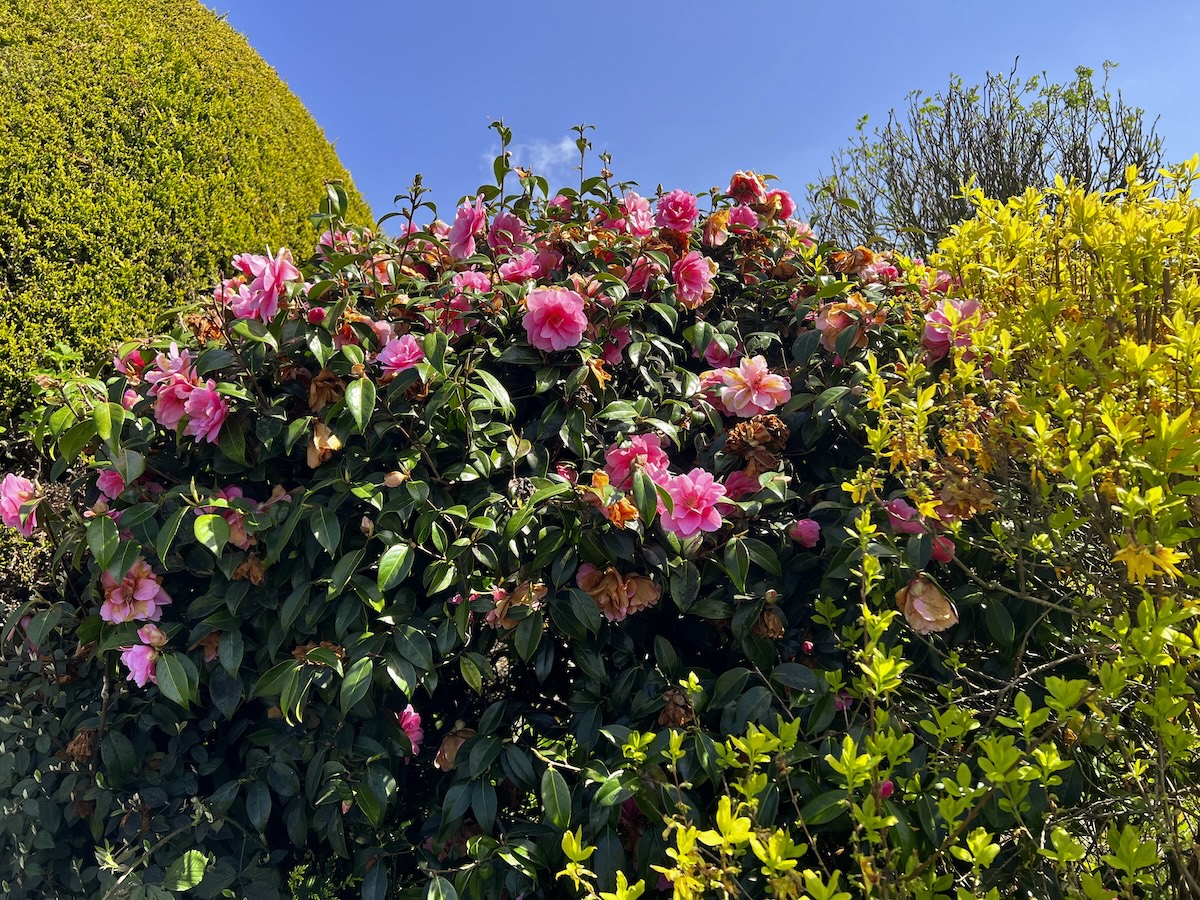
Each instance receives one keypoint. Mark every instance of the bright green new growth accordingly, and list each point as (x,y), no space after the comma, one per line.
(142,144)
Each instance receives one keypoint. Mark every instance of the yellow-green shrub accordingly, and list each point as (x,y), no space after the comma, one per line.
(142,142)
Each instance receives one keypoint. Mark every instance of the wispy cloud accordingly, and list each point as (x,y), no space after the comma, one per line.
(553,160)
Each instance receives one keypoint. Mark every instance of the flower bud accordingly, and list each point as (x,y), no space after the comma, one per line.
(395,479)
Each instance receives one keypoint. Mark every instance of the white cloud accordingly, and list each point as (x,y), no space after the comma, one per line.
(553,160)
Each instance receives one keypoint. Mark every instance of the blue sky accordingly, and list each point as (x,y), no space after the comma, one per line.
(681,93)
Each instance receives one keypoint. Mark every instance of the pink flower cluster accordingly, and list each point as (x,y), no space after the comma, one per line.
(178,392)
(693,279)
(400,354)
(904,518)
(694,499)
(751,388)
(257,291)
(138,596)
(16,492)
(645,452)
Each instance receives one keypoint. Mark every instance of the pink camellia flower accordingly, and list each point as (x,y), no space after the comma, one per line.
(645,452)
(742,218)
(885,789)
(15,492)
(554,319)
(172,379)
(139,596)
(636,217)
(951,323)
(410,723)
(270,277)
(130,399)
(567,473)
(694,499)
(110,483)
(523,267)
(506,232)
(693,279)
(747,187)
(638,275)
(206,411)
(803,232)
(782,203)
(548,259)
(943,549)
(131,365)
(401,354)
(559,208)
(738,485)
(468,221)
(316,315)
(472,281)
(843,700)
(618,340)
(677,211)
(718,357)
(805,532)
(904,517)
(141,658)
(752,389)
(711,385)
(383,331)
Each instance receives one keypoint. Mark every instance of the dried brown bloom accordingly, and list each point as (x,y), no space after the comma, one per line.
(677,712)
(852,261)
(250,570)
(617,595)
(211,643)
(925,607)
(448,752)
(205,326)
(81,746)
(769,624)
(322,444)
(757,441)
(325,389)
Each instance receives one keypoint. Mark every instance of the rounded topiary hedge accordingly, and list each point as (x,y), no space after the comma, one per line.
(142,142)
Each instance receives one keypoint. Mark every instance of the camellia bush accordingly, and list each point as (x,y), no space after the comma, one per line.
(590,546)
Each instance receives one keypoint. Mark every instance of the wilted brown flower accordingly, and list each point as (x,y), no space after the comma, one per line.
(617,595)
(524,594)
(448,752)
(326,388)
(205,326)
(758,440)
(79,748)
(322,444)
(769,624)
(716,229)
(677,712)
(211,643)
(925,607)
(852,261)
(250,570)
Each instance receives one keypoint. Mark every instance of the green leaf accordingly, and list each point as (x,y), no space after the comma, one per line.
(272,681)
(736,561)
(471,673)
(177,677)
(645,497)
(685,585)
(375,882)
(356,683)
(556,798)
(360,400)
(103,539)
(258,805)
(345,568)
(212,531)
(166,534)
(109,417)
(186,872)
(529,635)
(326,529)
(440,889)
(823,808)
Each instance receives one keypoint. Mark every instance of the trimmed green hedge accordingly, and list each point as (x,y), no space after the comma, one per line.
(142,143)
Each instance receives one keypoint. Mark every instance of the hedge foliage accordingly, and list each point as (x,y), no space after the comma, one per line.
(142,142)
(580,549)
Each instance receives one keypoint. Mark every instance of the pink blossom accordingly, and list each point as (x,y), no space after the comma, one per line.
(951,322)
(171,380)
(554,319)
(316,315)
(904,517)
(842,700)
(16,492)
(718,357)
(742,218)
(636,218)
(131,365)
(803,232)
(677,211)
(711,385)
(401,354)
(506,232)
(130,398)
(943,549)
(110,483)
(548,259)
(805,532)
(619,339)
(645,452)
(752,388)
(448,313)
(336,241)
(521,268)
(383,331)
(468,221)
(694,499)
(206,411)
(639,273)
(693,279)
(738,485)
(472,281)
(139,596)
(270,277)
(141,661)
(785,206)
(885,789)
(567,473)
(559,208)
(410,723)
(746,187)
